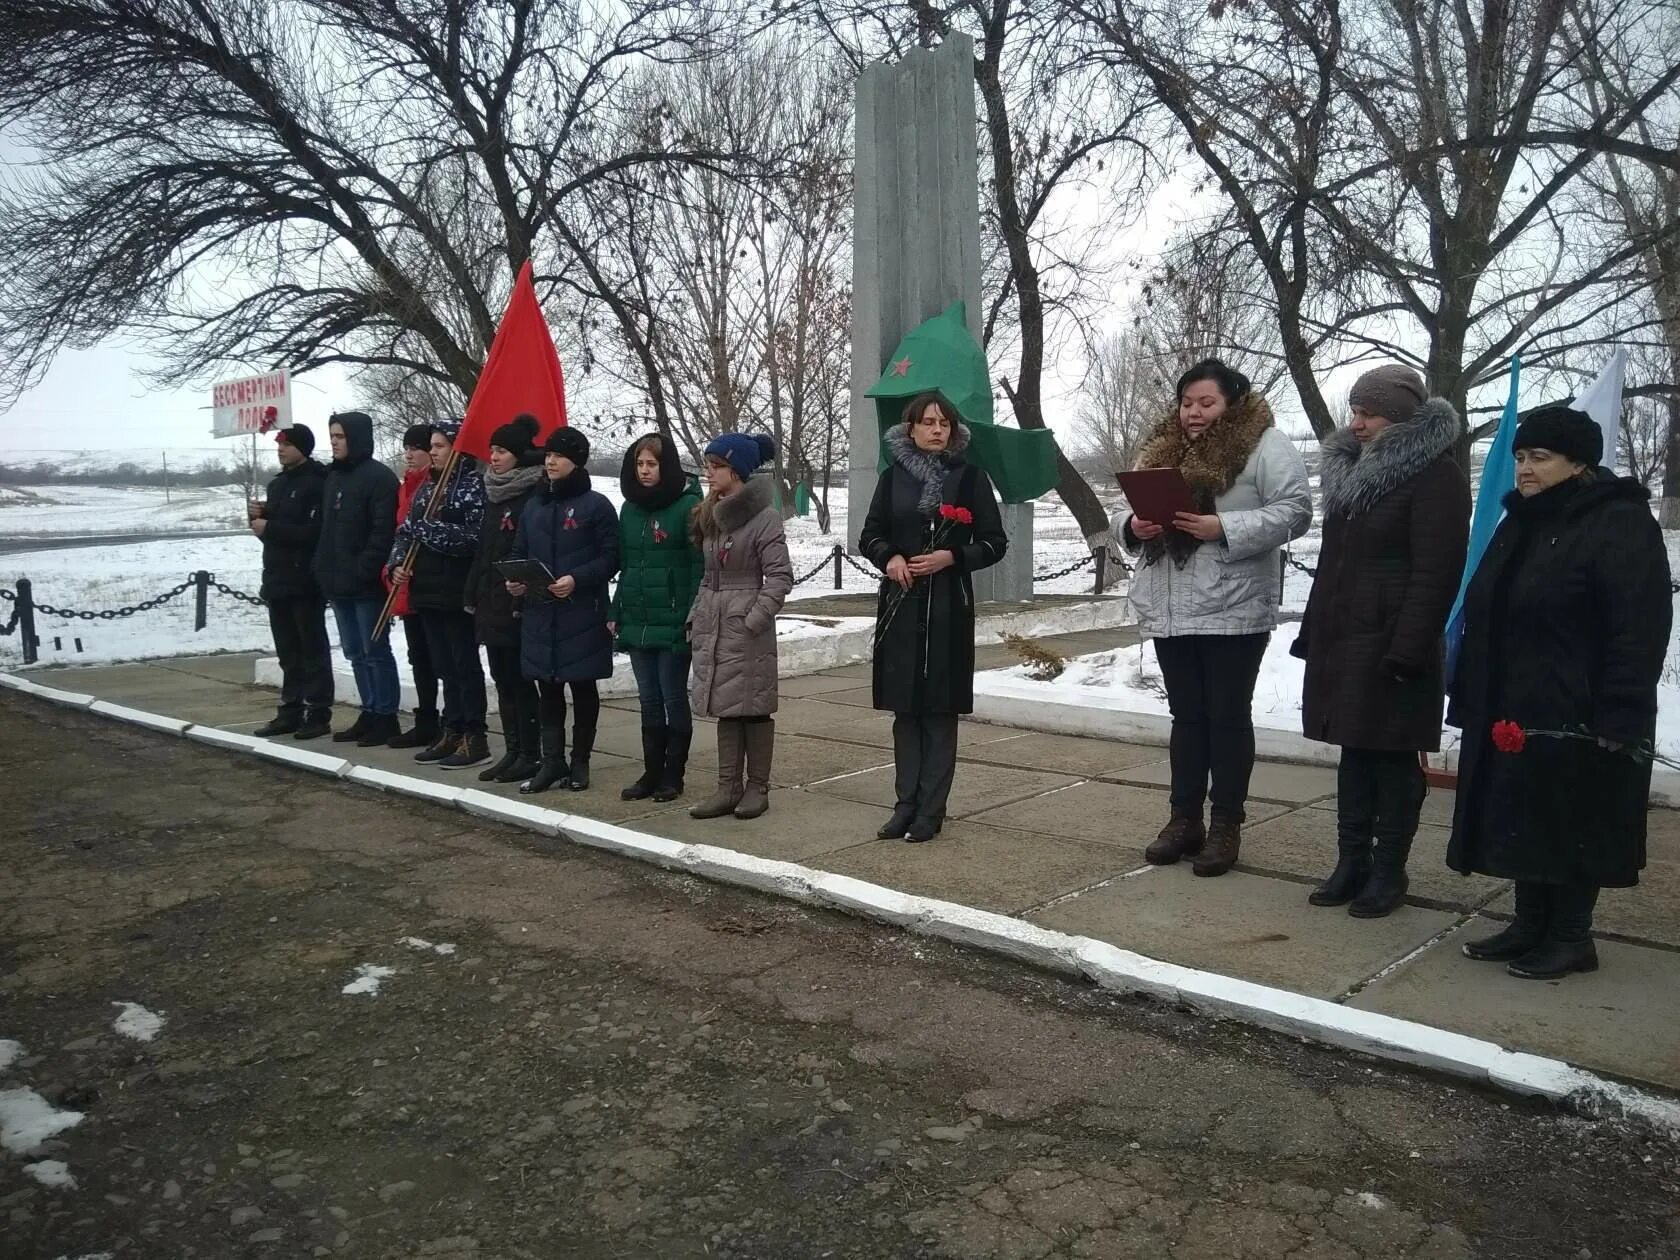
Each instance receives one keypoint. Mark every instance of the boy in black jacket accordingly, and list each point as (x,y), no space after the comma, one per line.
(288,522)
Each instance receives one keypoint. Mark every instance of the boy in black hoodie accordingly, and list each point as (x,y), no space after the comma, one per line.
(358,522)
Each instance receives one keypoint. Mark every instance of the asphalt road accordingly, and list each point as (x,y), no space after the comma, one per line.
(615,1061)
(62,542)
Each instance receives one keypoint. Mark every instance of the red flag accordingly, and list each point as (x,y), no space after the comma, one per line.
(521,374)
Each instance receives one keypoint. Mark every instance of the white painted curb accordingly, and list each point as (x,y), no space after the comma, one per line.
(1108,966)
(155,721)
(71,699)
(302,758)
(223,739)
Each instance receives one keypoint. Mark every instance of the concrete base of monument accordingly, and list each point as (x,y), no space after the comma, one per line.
(819,634)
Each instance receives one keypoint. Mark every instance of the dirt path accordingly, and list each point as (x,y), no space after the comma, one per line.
(614,1062)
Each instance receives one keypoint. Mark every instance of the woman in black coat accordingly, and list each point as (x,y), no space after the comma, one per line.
(515,474)
(924,638)
(564,640)
(1565,629)
(1396,520)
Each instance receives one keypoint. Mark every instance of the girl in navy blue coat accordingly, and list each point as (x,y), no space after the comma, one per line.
(564,640)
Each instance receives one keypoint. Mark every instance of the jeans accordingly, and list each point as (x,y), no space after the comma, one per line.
(452,643)
(1210,693)
(420,665)
(374,667)
(662,683)
(299,627)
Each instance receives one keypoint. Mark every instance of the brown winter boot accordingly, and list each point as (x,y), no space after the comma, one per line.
(1182,837)
(731,746)
(761,744)
(1224,840)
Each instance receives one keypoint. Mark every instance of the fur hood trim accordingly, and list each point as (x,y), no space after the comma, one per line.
(729,514)
(1355,476)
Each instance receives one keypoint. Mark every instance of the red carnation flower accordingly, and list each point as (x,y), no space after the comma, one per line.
(961,515)
(1508,737)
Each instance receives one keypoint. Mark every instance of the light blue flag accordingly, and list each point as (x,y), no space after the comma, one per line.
(1499,478)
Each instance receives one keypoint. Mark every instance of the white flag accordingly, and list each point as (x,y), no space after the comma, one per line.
(1602,400)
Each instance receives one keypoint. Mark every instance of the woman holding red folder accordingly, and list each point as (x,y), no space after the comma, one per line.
(1206,593)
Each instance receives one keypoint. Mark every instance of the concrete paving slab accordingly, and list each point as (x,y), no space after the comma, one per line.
(1302,844)
(857,697)
(1246,926)
(799,826)
(989,868)
(1064,754)
(817,685)
(834,721)
(1104,813)
(1613,1020)
(977,787)
(1272,781)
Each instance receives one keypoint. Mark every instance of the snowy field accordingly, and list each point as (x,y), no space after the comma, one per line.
(47,511)
(99,578)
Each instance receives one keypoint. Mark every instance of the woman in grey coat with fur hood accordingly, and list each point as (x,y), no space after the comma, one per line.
(732,626)
(1396,522)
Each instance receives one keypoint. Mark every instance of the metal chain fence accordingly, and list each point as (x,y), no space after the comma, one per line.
(25,608)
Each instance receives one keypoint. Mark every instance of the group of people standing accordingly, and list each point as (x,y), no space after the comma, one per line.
(700,581)
(1565,627)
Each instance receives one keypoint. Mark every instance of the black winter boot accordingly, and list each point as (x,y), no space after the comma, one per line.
(583,743)
(279,724)
(350,734)
(525,734)
(1385,887)
(424,732)
(1400,792)
(315,725)
(676,765)
(493,772)
(1353,869)
(381,728)
(1568,946)
(552,771)
(1525,931)
(654,739)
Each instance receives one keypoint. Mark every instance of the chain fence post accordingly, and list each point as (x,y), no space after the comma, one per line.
(26,620)
(839,554)
(1102,570)
(201,596)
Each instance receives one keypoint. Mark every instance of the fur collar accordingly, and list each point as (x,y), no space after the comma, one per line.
(1211,463)
(899,441)
(927,469)
(1354,477)
(727,515)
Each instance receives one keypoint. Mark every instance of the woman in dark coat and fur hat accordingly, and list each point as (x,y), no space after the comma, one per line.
(933,522)
(1396,511)
(1566,626)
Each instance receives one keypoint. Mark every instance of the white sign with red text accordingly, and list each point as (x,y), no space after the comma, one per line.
(253,404)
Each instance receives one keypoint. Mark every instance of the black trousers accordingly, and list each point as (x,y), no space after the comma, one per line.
(420,665)
(516,699)
(299,627)
(1379,796)
(1210,693)
(925,758)
(452,642)
(586,711)
(1563,911)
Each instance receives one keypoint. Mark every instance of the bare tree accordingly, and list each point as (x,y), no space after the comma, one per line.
(1120,399)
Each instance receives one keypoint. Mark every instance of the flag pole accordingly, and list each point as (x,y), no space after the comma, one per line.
(437,496)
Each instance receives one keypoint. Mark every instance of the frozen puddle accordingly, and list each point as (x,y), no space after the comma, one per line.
(52,1173)
(27,1120)
(137,1022)
(368,979)
(414,942)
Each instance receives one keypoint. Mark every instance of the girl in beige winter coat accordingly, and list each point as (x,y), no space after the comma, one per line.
(732,627)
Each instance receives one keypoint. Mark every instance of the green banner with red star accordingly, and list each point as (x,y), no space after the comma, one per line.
(942,357)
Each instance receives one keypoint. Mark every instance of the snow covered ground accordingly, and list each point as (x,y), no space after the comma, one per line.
(48,511)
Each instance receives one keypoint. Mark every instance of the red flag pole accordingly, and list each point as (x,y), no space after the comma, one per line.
(438,493)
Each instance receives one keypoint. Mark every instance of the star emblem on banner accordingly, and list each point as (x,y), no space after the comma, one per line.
(902,367)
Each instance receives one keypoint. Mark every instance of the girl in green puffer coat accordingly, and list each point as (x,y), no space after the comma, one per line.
(661,572)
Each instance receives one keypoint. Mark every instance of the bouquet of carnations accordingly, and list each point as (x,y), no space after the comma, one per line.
(950,516)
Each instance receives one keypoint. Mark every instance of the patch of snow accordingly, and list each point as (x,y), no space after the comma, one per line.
(27,1120)
(137,1022)
(369,976)
(414,942)
(1366,1199)
(10,1053)
(52,1173)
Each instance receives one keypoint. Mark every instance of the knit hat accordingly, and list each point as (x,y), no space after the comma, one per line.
(1559,428)
(417,437)
(743,452)
(1391,391)
(569,442)
(449,428)
(516,435)
(300,436)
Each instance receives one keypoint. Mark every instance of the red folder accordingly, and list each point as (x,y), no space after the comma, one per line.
(1157,495)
